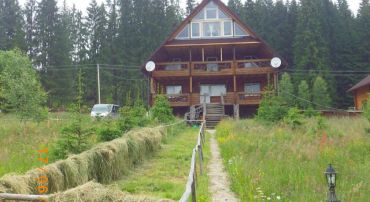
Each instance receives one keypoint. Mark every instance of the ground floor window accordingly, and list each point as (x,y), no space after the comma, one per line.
(252,88)
(173,90)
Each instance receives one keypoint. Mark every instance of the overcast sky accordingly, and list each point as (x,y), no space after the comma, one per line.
(82,4)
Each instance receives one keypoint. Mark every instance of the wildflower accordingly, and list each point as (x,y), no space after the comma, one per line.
(273,194)
(278,197)
(268,198)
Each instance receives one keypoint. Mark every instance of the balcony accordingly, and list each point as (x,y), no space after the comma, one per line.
(249,98)
(177,100)
(172,69)
(212,68)
(255,66)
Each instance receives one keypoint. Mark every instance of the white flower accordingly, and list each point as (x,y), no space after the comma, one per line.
(278,197)
(273,194)
(268,198)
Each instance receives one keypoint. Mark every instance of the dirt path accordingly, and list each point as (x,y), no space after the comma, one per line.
(219,182)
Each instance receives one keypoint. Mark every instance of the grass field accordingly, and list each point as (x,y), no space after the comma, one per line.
(165,175)
(278,163)
(20,141)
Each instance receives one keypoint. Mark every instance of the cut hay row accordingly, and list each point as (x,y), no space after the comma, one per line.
(91,192)
(103,163)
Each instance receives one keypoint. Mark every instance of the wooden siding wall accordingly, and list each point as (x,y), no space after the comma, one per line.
(361,96)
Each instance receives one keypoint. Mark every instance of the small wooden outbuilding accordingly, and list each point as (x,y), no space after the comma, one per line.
(361,92)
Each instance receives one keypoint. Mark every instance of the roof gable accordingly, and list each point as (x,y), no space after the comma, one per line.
(223,14)
(362,83)
(210,21)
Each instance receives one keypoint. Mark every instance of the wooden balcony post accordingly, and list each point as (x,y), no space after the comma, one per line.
(203,54)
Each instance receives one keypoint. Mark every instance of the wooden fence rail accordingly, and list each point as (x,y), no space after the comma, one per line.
(190,189)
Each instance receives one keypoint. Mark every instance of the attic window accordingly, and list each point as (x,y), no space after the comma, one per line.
(184,34)
(239,31)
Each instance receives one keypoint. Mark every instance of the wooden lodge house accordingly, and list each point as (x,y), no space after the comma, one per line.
(212,57)
(361,92)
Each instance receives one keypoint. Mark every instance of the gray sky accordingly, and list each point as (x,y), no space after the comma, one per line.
(82,4)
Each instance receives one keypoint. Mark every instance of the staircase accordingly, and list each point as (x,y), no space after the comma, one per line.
(214,114)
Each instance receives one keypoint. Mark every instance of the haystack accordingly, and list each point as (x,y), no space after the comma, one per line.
(104,163)
(95,192)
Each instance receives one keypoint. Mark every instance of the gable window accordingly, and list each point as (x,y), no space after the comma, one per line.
(211,29)
(228,28)
(212,22)
(173,90)
(252,88)
(239,31)
(195,30)
(211,13)
(184,34)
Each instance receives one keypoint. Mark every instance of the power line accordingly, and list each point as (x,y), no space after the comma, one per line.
(308,101)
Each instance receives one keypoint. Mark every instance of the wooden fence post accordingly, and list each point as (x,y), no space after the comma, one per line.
(193,188)
(200,152)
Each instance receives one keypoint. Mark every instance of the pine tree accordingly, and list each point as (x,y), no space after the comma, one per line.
(30,13)
(363,24)
(320,94)
(304,95)
(311,52)
(190,4)
(11,24)
(236,6)
(286,90)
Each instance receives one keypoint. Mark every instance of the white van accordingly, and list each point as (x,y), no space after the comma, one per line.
(105,110)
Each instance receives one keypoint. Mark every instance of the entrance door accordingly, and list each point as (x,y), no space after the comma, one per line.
(208,91)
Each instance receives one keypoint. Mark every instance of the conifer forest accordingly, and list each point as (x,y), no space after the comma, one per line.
(315,37)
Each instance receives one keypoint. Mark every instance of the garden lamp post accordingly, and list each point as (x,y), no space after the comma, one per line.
(331,175)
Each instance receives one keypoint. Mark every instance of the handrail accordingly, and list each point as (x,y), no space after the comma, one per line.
(190,185)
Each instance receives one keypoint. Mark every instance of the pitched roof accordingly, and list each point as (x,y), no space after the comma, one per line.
(362,83)
(171,38)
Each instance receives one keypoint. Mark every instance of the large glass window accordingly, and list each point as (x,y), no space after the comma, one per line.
(195,29)
(211,29)
(228,28)
(173,90)
(212,22)
(252,88)
(239,31)
(184,33)
(211,13)
(200,15)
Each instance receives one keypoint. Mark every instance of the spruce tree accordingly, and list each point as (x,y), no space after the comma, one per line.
(311,52)
(320,94)
(286,90)
(11,24)
(190,4)
(304,95)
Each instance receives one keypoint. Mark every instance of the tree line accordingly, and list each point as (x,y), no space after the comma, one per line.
(315,37)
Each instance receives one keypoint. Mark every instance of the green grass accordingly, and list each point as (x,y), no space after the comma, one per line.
(20,141)
(271,161)
(165,175)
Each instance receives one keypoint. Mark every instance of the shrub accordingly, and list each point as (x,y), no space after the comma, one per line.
(272,108)
(108,133)
(310,112)
(294,118)
(132,116)
(161,111)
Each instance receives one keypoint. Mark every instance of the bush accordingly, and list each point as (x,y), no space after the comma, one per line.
(108,133)
(294,118)
(132,116)
(74,139)
(162,111)
(310,112)
(272,108)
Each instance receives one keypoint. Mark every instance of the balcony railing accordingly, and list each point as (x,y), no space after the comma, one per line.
(249,98)
(212,68)
(172,69)
(255,66)
(177,100)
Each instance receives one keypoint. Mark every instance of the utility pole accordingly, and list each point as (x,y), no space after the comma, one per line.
(98,76)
